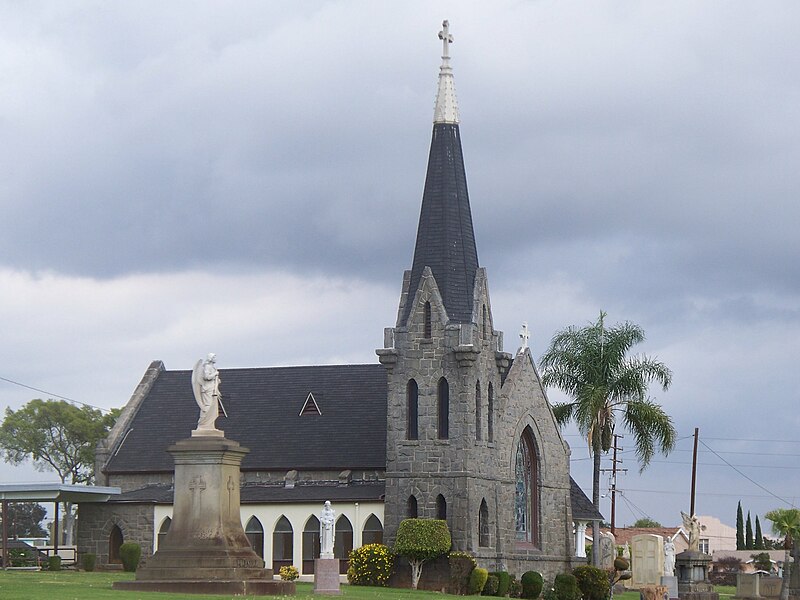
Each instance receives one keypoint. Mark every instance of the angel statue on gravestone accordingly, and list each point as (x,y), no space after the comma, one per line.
(692,525)
(205,384)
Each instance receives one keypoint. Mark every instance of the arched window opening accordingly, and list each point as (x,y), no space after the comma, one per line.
(441,508)
(115,540)
(372,532)
(444,409)
(162,531)
(526,505)
(478,409)
(311,546)
(343,543)
(490,416)
(483,525)
(427,322)
(412,396)
(282,544)
(485,323)
(255,533)
(412,511)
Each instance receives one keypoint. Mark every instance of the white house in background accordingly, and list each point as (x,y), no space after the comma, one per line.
(715,535)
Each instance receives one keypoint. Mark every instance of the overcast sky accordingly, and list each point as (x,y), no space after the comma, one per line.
(245,178)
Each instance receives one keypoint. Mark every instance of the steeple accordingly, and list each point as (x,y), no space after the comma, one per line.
(445,238)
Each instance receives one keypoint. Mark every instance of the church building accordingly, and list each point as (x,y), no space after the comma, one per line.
(446,424)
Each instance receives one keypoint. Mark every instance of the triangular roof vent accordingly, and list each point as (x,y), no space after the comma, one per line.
(310,407)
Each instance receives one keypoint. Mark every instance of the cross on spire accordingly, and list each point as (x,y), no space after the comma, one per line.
(446,37)
(524,335)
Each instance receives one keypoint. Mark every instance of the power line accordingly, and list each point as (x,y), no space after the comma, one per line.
(52,395)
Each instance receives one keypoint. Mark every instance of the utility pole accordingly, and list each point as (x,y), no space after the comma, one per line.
(614,470)
(694,469)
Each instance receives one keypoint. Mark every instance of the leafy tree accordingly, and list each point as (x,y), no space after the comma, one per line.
(739,527)
(591,364)
(25,519)
(785,523)
(761,561)
(748,533)
(56,436)
(420,540)
(759,542)
(646,522)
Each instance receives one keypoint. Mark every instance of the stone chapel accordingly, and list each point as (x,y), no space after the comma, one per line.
(445,425)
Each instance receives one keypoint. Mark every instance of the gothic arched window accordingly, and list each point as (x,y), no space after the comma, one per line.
(372,532)
(343,543)
(427,323)
(526,501)
(255,533)
(483,524)
(478,409)
(490,416)
(162,531)
(411,508)
(412,398)
(310,544)
(115,540)
(282,544)
(444,409)
(441,508)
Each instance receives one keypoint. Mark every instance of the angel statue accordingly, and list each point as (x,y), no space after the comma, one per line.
(692,525)
(205,384)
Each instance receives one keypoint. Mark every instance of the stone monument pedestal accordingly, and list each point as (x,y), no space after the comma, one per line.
(326,576)
(693,583)
(206,550)
(671,583)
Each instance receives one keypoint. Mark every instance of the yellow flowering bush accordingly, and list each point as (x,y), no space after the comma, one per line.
(370,565)
(289,573)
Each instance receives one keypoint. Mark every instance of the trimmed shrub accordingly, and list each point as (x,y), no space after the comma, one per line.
(477,580)
(461,567)
(289,572)
(53,563)
(130,553)
(492,583)
(420,540)
(565,587)
(592,582)
(88,561)
(532,584)
(503,582)
(370,565)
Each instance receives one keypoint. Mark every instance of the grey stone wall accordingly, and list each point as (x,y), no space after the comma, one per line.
(95,522)
(464,469)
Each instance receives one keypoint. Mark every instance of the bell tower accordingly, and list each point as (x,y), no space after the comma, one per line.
(444,359)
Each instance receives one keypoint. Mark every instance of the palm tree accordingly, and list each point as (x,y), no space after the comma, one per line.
(591,364)
(785,523)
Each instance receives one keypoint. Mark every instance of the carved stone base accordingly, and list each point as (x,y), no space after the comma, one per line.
(326,576)
(671,583)
(206,549)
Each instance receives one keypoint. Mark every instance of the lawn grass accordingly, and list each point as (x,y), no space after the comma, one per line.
(72,585)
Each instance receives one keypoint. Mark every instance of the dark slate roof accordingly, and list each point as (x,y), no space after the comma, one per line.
(445,238)
(582,507)
(266,494)
(263,406)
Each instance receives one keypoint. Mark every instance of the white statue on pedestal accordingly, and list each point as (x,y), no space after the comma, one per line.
(205,384)
(669,558)
(327,532)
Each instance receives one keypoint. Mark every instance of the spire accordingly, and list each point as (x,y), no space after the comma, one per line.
(446,110)
(445,238)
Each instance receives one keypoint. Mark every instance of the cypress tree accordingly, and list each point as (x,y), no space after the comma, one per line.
(759,538)
(739,527)
(748,535)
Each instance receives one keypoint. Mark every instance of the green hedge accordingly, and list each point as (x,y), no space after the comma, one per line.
(370,565)
(532,584)
(130,553)
(565,587)
(492,583)
(592,582)
(461,567)
(477,580)
(503,583)
(88,561)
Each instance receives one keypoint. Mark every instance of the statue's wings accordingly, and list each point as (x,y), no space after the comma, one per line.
(687,521)
(197,378)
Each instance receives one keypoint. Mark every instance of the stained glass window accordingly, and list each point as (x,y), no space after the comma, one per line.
(526,502)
